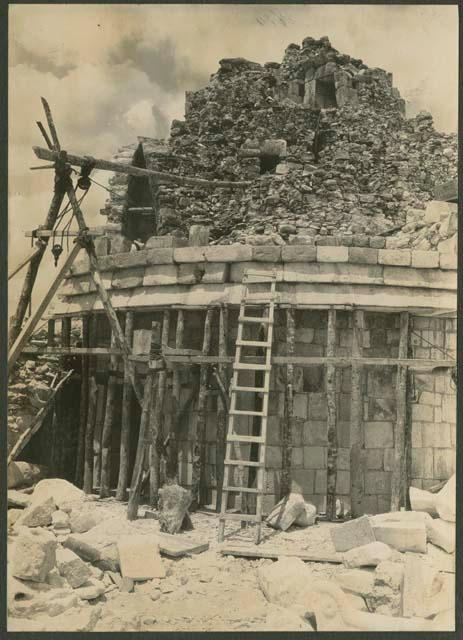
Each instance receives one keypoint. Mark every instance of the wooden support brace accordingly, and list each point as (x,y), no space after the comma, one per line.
(30,256)
(124,454)
(66,325)
(50,333)
(172,462)
(83,408)
(107,429)
(288,404)
(332,453)
(222,408)
(357,441)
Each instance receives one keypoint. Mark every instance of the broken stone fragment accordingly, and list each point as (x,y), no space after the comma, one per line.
(357,581)
(60,520)
(286,512)
(60,490)
(34,554)
(82,521)
(285,582)
(13,516)
(351,534)
(308,515)
(441,533)
(370,554)
(389,573)
(446,500)
(90,590)
(139,557)
(403,536)
(173,505)
(18,499)
(423,501)
(72,568)
(38,514)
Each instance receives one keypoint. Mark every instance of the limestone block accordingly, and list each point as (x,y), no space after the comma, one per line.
(38,514)
(448,260)
(370,554)
(159,275)
(389,573)
(307,517)
(165,242)
(228,253)
(33,554)
(140,558)
(82,521)
(446,500)
(90,590)
(60,490)
(332,254)
(215,273)
(159,256)
(141,342)
(356,581)
(351,534)
(284,582)
(417,580)
(298,253)
(423,501)
(173,506)
(60,520)
(403,536)
(286,512)
(425,259)
(71,567)
(360,255)
(315,457)
(18,499)
(190,273)
(128,279)
(441,533)
(379,435)
(400,258)
(266,253)
(302,481)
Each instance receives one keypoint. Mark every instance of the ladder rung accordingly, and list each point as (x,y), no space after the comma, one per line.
(245,517)
(252,366)
(241,489)
(244,463)
(245,412)
(255,320)
(236,437)
(250,389)
(253,343)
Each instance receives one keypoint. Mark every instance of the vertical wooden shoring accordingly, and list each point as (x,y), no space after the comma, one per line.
(51,333)
(108,425)
(156,418)
(398,479)
(127,390)
(91,412)
(199,489)
(172,463)
(66,324)
(288,405)
(357,440)
(221,407)
(332,437)
(85,362)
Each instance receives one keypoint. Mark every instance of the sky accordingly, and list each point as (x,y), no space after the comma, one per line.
(115,72)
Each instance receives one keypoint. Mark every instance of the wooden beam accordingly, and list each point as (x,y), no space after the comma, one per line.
(106,165)
(89,433)
(222,408)
(357,444)
(66,326)
(398,480)
(275,554)
(50,332)
(332,436)
(83,407)
(172,462)
(37,421)
(51,126)
(288,405)
(30,256)
(107,429)
(93,231)
(28,329)
(124,452)
(71,351)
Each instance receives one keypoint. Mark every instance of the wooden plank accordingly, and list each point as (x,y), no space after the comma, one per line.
(66,332)
(176,546)
(356,418)
(332,452)
(37,421)
(71,351)
(30,256)
(50,333)
(51,126)
(288,405)
(172,460)
(107,429)
(222,407)
(89,433)
(83,406)
(106,165)
(92,231)
(124,452)
(398,479)
(28,329)
(199,489)
(275,554)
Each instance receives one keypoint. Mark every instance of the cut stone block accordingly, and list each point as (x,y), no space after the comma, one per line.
(332,254)
(390,574)
(90,590)
(285,513)
(71,567)
(298,253)
(34,554)
(285,582)
(18,499)
(38,514)
(160,275)
(354,533)
(82,521)
(418,578)
(139,557)
(370,554)
(307,517)
(423,501)
(356,581)
(173,506)
(400,258)
(403,536)
(60,490)
(60,520)
(441,533)
(446,500)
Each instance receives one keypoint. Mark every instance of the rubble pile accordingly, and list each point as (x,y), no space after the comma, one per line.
(325,143)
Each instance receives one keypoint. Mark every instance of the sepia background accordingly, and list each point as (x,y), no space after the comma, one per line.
(113,72)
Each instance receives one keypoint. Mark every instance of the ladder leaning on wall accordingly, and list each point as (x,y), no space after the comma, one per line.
(253,302)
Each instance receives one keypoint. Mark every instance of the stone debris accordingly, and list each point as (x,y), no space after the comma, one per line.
(60,521)
(38,514)
(370,554)
(82,521)
(417,582)
(34,554)
(284,582)
(423,501)
(73,568)
(173,505)
(90,590)
(139,558)
(352,533)
(441,533)
(357,581)
(446,500)
(18,499)
(60,490)
(291,509)
(389,573)
(403,536)
(281,619)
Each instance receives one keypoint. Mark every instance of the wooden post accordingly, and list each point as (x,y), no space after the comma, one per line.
(33,253)
(332,453)
(107,427)
(83,408)
(51,333)
(222,409)
(398,479)
(288,405)
(156,418)
(125,419)
(91,413)
(66,331)
(172,462)
(199,489)
(357,444)
(143,439)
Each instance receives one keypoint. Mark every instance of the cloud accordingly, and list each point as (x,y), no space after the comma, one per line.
(42,63)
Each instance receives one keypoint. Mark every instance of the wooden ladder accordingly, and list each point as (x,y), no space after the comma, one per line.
(237,390)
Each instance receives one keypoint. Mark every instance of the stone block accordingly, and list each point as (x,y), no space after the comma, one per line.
(357,581)
(300,406)
(266,253)
(377,242)
(343,483)
(160,275)
(389,573)
(82,521)
(34,554)
(422,413)
(216,273)
(273,457)
(414,587)
(141,342)
(239,269)
(165,242)
(90,590)
(446,500)
(72,568)
(361,255)
(298,253)
(38,514)
(189,254)
(286,512)
(444,463)
(315,433)
(302,481)
(351,534)
(62,492)
(320,481)
(159,256)
(139,557)
(441,533)
(395,257)
(190,274)
(378,482)
(317,406)
(296,457)
(422,463)
(314,457)
(228,253)
(332,254)
(379,434)
(388,461)
(448,261)
(403,536)
(367,555)
(128,278)
(375,458)
(425,259)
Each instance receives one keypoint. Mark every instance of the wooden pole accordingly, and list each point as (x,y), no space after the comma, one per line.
(105,488)
(126,418)
(30,256)
(398,479)
(106,165)
(332,453)
(172,463)
(66,324)
(51,333)
(143,440)
(222,408)
(83,408)
(357,443)
(288,405)
(156,419)
(199,489)
(28,329)
(89,432)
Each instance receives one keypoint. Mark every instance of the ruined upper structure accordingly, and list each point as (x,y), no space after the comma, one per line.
(325,141)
